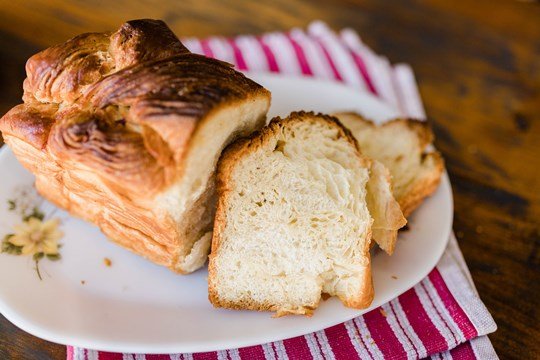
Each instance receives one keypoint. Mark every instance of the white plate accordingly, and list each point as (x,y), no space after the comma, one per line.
(136,306)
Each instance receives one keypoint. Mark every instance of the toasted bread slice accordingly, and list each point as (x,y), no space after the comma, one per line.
(293,218)
(402,146)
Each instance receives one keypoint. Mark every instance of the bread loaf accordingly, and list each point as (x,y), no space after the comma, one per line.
(125,129)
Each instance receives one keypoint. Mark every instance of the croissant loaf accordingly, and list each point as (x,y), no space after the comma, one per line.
(124,130)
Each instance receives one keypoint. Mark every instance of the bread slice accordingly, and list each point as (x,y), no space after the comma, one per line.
(402,145)
(292,219)
(383,207)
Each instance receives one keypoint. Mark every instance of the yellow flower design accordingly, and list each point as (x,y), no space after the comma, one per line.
(36,236)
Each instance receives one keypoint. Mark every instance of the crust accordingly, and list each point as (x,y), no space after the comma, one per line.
(420,127)
(229,158)
(123,104)
(423,187)
(108,120)
(366,294)
(427,184)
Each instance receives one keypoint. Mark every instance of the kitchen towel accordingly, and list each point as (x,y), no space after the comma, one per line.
(442,317)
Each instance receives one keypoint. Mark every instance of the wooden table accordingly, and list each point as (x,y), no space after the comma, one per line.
(478,66)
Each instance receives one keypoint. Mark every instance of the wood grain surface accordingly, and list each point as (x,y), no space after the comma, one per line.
(478,67)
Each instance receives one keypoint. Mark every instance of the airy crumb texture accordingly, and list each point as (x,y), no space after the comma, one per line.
(402,146)
(293,219)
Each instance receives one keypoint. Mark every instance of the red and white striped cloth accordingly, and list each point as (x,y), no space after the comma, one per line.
(442,317)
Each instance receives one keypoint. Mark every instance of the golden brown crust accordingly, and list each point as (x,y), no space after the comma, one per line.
(229,158)
(121,108)
(133,91)
(30,123)
(367,292)
(425,185)
(420,127)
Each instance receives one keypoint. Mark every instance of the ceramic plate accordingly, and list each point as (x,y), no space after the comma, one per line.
(136,306)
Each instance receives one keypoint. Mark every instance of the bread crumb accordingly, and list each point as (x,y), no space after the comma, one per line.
(83,282)
(107,262)
(479,229)
(383,313)
(394,277)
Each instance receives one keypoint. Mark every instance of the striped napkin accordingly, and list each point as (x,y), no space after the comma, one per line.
(442,317)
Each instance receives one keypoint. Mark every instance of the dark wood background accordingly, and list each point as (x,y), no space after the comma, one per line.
(478,66)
